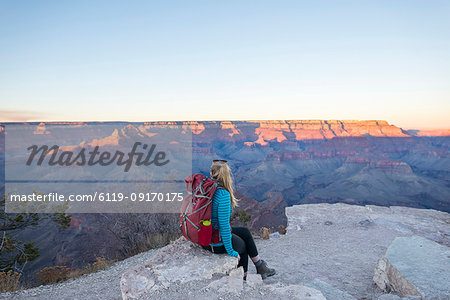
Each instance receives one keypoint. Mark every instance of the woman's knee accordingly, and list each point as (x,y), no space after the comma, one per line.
(243,232)
(247,231)
(238,244)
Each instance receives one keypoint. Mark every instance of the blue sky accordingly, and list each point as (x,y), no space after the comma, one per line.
(233,60)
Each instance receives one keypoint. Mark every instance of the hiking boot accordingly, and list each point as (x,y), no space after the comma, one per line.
(264,270)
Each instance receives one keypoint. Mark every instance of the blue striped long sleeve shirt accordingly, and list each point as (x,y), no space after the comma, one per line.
(220,219)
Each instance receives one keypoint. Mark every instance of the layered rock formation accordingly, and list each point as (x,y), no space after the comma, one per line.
(430,132)
(281,131)
(321,129)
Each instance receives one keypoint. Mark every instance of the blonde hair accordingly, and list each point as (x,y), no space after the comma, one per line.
(221,172)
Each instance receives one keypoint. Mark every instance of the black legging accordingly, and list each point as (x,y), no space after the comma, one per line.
(243,243)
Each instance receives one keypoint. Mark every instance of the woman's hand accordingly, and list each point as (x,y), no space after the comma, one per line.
(239,257)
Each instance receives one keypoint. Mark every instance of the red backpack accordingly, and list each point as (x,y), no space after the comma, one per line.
(195,213)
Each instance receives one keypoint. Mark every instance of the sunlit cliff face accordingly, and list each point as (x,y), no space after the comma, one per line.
(261,132)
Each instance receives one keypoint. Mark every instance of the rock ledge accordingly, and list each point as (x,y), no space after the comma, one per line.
(179,262)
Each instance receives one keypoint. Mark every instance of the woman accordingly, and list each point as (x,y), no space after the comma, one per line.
(240,242)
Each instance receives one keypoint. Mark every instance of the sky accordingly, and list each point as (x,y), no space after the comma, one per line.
(226,60)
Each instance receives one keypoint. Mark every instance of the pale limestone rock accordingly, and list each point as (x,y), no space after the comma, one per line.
(415,266)
(389,297)
(137,283)
(254,280)
(388,278)
(179,262)
(275,235)
(295,292)
(395,297)
(232,283)
(329,291)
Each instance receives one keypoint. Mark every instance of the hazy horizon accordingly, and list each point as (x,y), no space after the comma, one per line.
(215,120)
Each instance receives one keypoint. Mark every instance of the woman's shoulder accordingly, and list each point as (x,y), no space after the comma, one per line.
(222,193)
